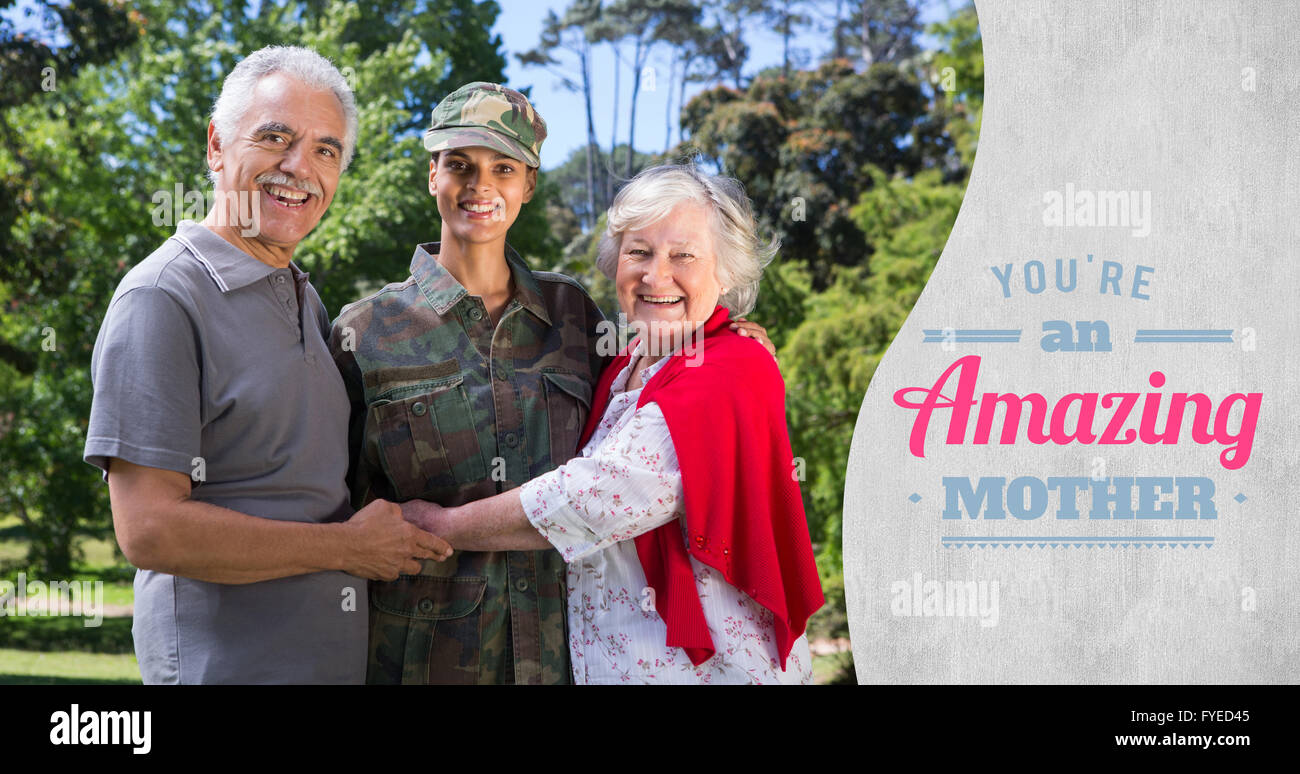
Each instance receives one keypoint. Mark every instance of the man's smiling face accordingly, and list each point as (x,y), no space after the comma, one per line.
(287,155)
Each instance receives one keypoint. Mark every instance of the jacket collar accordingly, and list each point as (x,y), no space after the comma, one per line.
(443,291)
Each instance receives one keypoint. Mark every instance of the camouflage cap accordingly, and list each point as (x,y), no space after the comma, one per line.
(490,115)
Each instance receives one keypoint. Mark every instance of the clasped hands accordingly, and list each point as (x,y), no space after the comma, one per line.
(430,517)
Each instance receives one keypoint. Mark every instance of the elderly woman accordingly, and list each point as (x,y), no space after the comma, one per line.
(682,527)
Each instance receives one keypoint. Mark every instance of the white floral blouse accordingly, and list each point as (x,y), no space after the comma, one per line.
(627,482)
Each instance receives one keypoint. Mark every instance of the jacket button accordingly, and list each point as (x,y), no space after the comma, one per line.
(521,584)
(418,409)
(426,605)
(511,440)
(476,314)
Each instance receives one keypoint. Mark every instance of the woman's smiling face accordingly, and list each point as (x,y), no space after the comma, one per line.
(479,191)
(666,274)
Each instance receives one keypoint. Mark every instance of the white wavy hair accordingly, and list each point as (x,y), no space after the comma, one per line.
(740,253)
(302,63)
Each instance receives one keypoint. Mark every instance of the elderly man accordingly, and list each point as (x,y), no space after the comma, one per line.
(221,423)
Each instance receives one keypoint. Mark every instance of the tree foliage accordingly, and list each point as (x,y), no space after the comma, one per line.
(802,144)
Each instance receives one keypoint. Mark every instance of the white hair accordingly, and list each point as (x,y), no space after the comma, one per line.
(302,63)
(740,253)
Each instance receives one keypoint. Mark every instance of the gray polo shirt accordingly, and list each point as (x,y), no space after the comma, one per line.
(214,364)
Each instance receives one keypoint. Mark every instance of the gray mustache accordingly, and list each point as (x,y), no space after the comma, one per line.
(279,178)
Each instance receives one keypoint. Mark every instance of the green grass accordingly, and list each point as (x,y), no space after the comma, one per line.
(834,669)
(61,650)
(115,593)
(66,633)
(25,667)
(101,552)
(100,560)
(13,540)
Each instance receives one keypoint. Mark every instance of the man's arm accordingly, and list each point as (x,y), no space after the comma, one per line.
(160,528)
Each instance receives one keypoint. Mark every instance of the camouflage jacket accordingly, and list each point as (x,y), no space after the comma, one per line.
(449,409)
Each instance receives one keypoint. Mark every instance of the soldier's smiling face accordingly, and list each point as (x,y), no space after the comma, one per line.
(480,191)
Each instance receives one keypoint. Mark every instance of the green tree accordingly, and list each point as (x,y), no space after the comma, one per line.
(833,314)
(957,68)
(643,23)
(459,31)
(801,143)
(877,30)
(789,17)
(731,18)
(571,33)
(44,297)
(568,202)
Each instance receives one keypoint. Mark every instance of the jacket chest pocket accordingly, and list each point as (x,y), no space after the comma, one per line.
(568,402)
(427,438)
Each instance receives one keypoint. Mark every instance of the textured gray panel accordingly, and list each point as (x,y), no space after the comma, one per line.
(1151,96)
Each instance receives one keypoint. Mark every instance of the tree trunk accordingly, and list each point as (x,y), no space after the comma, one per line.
(785,43)
(733,51)
(839,39)
(668,111)
(584,59)
(868,55)
(21,513)
(613,132)
(681,94)
(638,62)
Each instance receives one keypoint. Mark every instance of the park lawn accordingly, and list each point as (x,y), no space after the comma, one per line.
(50,663)
(101,562)
(12,546)
(101,552)
(116,593)
(27,667)
(830,667)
